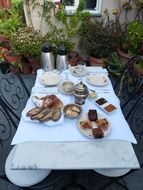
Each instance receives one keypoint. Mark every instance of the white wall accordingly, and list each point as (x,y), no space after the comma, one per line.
(36,20)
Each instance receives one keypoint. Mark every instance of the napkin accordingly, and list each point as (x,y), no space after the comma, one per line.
(44,90)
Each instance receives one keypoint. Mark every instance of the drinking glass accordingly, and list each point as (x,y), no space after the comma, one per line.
(82,69)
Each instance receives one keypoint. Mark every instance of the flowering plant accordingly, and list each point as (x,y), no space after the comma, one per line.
(26,41)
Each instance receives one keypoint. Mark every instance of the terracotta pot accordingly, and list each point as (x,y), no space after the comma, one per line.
(123,55)
(5,3)
(74,58)
(96,62)
(4,41)
(11,57)
(3,37)
(34,62)
(26,68)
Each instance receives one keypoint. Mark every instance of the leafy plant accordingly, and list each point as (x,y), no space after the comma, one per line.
(114,65)
(11,20)
(140,65)
(26,41)
(98,38)
(133,37)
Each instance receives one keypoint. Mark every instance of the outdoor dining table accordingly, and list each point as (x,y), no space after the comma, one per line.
(63,146)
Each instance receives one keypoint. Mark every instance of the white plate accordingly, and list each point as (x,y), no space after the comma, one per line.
(31,105)
(97,80)
(76,71)
(88,132)
(112,172)
(50,79)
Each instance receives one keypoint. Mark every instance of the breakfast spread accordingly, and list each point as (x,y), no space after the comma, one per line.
(95,125)
(105,105)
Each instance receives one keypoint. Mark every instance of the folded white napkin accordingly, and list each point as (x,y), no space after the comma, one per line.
(44,90)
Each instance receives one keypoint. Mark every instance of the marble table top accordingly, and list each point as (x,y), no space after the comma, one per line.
(75,155)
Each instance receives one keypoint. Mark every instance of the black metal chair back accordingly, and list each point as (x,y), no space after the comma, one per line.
(134,117)
(14,93)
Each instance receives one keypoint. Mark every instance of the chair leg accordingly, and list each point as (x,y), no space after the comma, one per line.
(73,185)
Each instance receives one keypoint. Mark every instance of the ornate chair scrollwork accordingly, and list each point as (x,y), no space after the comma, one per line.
(14,93)
(135,119)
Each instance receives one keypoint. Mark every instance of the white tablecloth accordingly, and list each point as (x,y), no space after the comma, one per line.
(68,131)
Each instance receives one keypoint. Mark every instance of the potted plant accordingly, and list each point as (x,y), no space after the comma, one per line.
(114,65)
(133,38)
(28,43)
(98,39)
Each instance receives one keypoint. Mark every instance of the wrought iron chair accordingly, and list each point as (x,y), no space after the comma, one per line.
(131,105)
(129,80)
(13,96)
(135,119)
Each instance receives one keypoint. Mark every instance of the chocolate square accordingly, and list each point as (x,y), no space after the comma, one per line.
(92,115)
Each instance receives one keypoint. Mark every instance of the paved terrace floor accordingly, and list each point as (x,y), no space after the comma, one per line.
(91,182)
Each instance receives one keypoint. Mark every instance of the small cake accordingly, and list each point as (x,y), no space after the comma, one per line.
(110,108)
(102,124)
(92,115)
(101,101)
(86,124)
(97,133)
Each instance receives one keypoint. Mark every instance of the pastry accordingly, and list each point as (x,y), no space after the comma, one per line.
(75,109)
(56,114)
(110,108)
(46,117)
(92,115)
(97,133)
(51,101)
(86,124)
(71,113)
(41,114)
(33,112)
(102,124)
(72,110)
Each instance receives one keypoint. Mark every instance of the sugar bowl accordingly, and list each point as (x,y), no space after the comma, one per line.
(80,93)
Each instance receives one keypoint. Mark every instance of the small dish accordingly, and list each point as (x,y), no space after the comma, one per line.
(105,105)
(66,87)
(72,111)
(92,94)
(97,80)
(50,79)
